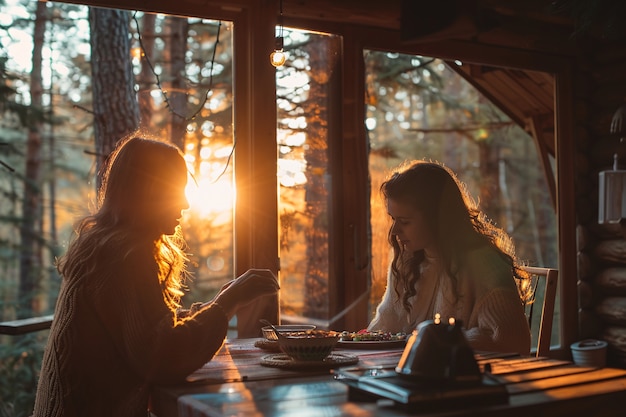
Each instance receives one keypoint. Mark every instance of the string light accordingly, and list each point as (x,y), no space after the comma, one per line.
(166,98)
(278,56)
(143,54)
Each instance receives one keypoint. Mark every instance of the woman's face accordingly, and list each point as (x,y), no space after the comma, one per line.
(409,226)
(170,204)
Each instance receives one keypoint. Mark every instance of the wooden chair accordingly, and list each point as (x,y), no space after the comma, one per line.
(543,288)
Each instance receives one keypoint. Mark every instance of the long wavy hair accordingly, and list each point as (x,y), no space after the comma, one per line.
(455,221)
(132,183)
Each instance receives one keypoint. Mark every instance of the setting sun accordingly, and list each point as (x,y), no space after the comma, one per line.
(211,199)
(210,189)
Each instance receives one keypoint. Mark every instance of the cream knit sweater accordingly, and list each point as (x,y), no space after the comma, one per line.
(488,306)
(114,337)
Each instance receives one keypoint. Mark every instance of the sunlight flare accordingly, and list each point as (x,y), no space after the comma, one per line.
(210,199)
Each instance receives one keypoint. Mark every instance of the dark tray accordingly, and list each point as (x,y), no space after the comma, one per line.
(374,384)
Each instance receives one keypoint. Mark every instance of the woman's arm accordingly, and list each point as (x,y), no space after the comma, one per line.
(496,319)
(146,332)
(390,316)
(501,324)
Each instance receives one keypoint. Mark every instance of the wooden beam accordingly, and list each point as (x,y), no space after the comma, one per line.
(564,94)
(540,143)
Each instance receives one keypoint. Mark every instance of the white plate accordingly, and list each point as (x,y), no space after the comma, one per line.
(371,344)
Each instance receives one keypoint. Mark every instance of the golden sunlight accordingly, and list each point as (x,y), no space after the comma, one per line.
(211,199)
(210,189)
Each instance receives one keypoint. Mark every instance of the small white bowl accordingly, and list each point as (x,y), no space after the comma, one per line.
(590,353)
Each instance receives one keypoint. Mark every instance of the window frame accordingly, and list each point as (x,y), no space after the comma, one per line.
(256,214)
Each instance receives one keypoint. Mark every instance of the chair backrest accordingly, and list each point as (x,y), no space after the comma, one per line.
(543,287)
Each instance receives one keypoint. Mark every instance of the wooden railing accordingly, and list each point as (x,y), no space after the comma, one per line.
(23,326)
(35,324)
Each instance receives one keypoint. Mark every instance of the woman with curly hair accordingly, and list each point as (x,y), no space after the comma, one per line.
(449,259)
(119,327)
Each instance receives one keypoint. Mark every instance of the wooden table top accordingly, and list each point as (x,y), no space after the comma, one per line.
(235,383)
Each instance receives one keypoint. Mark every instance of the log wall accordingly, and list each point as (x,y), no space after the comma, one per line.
(602,251)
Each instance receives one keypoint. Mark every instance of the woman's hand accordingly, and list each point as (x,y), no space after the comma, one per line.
(246,288)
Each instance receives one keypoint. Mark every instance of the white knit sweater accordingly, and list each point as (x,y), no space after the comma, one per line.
(489,305)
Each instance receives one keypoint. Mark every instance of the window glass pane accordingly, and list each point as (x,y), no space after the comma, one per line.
(419,108)
(182,76)
(303,95)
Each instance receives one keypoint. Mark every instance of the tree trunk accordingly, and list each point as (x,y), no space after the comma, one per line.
(116,110)
(147,79)
(30,232)
(317,185)
(178,92)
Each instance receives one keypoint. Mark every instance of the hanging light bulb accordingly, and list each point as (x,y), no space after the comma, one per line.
(278,56)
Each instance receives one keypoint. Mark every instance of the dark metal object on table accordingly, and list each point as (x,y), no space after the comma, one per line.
(439,352)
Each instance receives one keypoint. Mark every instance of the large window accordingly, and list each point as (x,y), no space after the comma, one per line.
(420,108)
(184,73)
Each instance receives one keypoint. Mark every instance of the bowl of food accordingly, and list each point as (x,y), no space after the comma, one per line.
(309,345)
(270,334)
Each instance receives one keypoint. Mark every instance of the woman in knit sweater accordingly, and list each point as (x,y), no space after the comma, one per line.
(118,327)
(449,259)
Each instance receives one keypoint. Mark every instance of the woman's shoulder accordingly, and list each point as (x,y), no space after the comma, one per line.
(485,252)
(121,256)
(490,265)
(122,244)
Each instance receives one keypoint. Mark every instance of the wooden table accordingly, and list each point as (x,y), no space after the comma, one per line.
(235,384)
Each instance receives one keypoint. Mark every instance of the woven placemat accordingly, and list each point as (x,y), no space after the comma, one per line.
(334,360)
(269,345)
